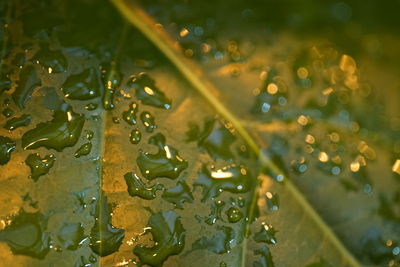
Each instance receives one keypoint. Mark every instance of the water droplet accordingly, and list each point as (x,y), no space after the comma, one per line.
(148,121)
(135,136)
(62,131)
(130,115)
(5,82)
(7,112)
(165,163)
(83,86)
(219,243)
(266,258)
(28,81)
(233,178)
(105,239)
(266,234)
(39,166)
(215,214)
(147,92)
(111,79)
(116,120)
(168,236)
(71,235)
(272,201)
(52,60)
(136,187)
(27,235)
(6,147)
(178,194)
(16,122)
(89,134)
(234,214)
(83,150)
(91,106)
(214,138)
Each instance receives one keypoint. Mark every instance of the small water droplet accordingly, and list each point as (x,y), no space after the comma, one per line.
(16,122)
(39,166)
(135,136)
(148,121)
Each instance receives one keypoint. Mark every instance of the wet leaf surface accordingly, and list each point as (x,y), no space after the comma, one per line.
(111,155)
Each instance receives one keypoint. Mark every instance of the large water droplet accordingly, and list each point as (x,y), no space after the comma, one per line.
(219,243)
(62,131)
(233,178)
(53,61)
(266,258)
(83,86)
(266,234)
(71,235)
(165,163)
(105,239)
(168,236)
(147,92)
(28,81)
(178,195)
(214,138)
(136,187)
(27,235)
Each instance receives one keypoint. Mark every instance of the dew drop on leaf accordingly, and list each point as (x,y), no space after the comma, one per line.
(215,214)
(16,122)
(111,78)
(135,136)
(178,194)
(147,92)
(266,234)
(148,121)
(39,166)
(136,187)
(62,131)
(215,138)
(7,112)
(53,61)
(26,234)
(234,214)
(83,150)
(165,163)
(266,258)
(105,239)
(28,81)
(232,178)
(219,243)
(71,235)
(130,115)
(91,106)
(82,86)
(272,201)
(6,147)
(168,236)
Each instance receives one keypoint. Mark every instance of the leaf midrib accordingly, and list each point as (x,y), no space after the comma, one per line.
(193,73)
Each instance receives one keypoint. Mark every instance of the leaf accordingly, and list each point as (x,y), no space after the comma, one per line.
(198,173)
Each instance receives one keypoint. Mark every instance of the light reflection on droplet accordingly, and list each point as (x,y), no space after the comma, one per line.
(396,166)
(323,157)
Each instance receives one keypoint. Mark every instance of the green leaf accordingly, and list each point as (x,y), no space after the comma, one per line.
(225,170)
